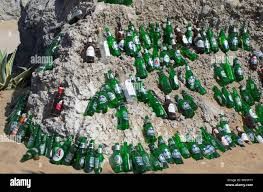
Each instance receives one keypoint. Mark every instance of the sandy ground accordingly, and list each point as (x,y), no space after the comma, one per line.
(239,160)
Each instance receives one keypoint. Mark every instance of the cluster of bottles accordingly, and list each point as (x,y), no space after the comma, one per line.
(230,139)
(225,74)
(121,2)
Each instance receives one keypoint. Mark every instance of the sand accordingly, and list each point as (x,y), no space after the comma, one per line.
(239,160)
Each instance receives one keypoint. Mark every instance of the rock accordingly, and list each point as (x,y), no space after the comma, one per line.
(206,10)
(9,9)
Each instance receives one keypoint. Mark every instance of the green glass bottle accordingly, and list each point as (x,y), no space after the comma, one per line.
(156,105)
(245,38)
(32,153)
(181,146)
(148,59)
(141,70)
(259,112)
(114,49)
(156,164)
(229,70)
(176,155)
(157,36)
(136,40)
(151,32)
(42,146)
(57,152)
(238,71)
(218,96)
(116,159)
(99,160)
(145,157)
(168,32)
(123,118)
(102,106)
(189,78)
(33,136)
(250,118)
(173,79)
(223,124)
(137,161)
(237,100)
(220,75)
(141,92)
(90,158)
(79,158)
(179,59)
(129,45)
(251,135)
(233,38)
(49,146)
(164,57)
(156,59)
(229,98)
(164,83)
(212,40)
(68,159)
(92,106)
(111,97)
(165,150)
(126,158)
(189,34)
(148,131)
(207,44)
(115,85)
(155,151)
(195,150)
(237,140)
(222,41)
(145,38)
(190,100)
(184,107)
(199,88)
(252,88)
(186,52)
(246,96)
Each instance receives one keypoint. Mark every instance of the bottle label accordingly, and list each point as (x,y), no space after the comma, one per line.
(184,39)
(176,154)
(90,52)
(139,160)
(223,74)
(91,162)
(14,125)
(259,139)
(251,136)
(117,89)
(207,44)
(82,161)
(247,41)
(59,106)
(147,39)
(131,45)
(224,141)
(121,45)
(230,98)
(102,99)
(150,132)
(114,45)
(118,160)
(185,151)
(42,148)
(58,155)
(235,41)
(225,44)
(228,138)
(214,43)
(156,62)
(137,40)
(171,108)
(186,106)
(161,158)
(240,71)
(111,96)
(176,81)
(238,101)
(244,137)
(195,149)
(200,44)
(166,59)
(167,154)
(226,128)
(191,81)
(252,114)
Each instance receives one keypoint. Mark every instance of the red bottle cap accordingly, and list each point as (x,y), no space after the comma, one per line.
(60,90)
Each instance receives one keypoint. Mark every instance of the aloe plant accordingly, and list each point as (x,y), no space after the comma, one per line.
(6,67)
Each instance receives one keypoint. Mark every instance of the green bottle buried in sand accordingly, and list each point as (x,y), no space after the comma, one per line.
(79,158)
(199,88)
(89,164)
(141,70)
(186,52)
(190,78)
(168,32)
(184,107)
(114,49)
(137,161)
(32,153)
(218,96)
(157,153)
(212,40)
(102,106)
(237,100)
(229,98)
(111,97)
(141,92)
(176,155)
(252,88)
(190,100)
(222,41)
(195,150)
(181,146)
(229,70)
(179,59)
(145,157)
(245,38)
(148,131)
(174,82)
(246,95)
(116,159)
(145,38)
(57,151)
(238,71)
(165,150)
(126,158)
(92,106)
(164,57)
(164,83)
(208,150)
(220,75)
(123,118)
(189,34)
(156,58)
(148,60)
(259,111)
(233,38)
(99,160)
(156,105)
